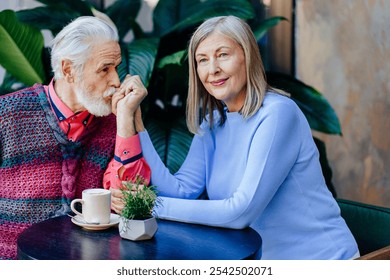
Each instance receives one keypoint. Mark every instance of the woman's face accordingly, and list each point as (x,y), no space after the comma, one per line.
(221,69)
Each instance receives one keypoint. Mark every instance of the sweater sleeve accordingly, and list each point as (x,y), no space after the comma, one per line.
(188,182)
(271,156)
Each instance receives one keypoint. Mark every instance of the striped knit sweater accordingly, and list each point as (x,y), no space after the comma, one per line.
(40,170)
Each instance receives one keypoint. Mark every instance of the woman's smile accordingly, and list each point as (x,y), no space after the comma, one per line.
(219,82)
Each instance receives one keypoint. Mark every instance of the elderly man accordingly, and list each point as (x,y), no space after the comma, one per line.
(59,139)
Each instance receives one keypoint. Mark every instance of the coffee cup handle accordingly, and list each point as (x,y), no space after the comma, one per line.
(72,205)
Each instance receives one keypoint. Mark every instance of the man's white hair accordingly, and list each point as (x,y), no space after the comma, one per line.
(76,40)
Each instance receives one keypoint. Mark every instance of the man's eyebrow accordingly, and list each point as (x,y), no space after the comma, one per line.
(107,64)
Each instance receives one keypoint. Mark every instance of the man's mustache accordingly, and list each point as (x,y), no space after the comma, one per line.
(109,92)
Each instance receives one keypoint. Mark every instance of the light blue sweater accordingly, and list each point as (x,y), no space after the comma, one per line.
(262,172)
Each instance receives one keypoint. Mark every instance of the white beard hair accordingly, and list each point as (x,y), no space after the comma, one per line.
(95,105)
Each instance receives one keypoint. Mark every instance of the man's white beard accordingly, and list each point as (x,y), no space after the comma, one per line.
(96,105)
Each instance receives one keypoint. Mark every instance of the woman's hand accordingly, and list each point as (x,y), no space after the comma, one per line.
(139,125)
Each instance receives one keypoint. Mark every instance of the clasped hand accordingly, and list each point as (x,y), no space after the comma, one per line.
(129,95)
(126,101)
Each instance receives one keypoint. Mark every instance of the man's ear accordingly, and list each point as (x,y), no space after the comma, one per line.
(67,70)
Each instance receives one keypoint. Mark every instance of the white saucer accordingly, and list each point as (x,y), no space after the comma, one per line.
(114,220)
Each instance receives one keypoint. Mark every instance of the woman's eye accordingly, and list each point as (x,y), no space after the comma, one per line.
(202,60)
(223,54)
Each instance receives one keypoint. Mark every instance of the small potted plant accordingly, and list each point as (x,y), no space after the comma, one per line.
(137,221)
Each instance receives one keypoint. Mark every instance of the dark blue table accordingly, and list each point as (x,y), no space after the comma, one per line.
(60,239)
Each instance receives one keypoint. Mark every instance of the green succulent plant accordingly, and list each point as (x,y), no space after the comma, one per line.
(139,200)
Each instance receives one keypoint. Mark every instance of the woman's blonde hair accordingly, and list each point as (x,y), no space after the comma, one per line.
(199,102)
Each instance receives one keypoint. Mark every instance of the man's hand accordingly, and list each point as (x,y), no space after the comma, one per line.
(125,103)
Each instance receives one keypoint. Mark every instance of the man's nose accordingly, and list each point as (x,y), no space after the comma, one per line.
(114,79)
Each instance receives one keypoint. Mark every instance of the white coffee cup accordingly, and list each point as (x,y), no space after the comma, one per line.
(95,206)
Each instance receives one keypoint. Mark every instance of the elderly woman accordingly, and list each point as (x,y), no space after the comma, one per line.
(253,154)
(57,140)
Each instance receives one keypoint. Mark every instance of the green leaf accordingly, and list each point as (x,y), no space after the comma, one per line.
(123,13)
(176,58)
(179,142)
(10,84)
(80,6)
(21,49)
(158,136)
(260,30)
(52,18)
(138,205)
(55,15)
(138,59)
(326,169)
(172,15)
(165,85)
(171,139)
(316,108)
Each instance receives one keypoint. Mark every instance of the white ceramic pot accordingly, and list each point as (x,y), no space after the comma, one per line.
(136,230)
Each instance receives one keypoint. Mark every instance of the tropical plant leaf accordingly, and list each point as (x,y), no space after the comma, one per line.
(168,13)
(171,139)
(316,108)
(51,18)
(158,136)
(138,59)
(21,49)
(10,84)
(179,142)
(172,15)
(123,14)
(260,30)
(80,6)
(326,169)
(164,86)
(137,30)
(176,58)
